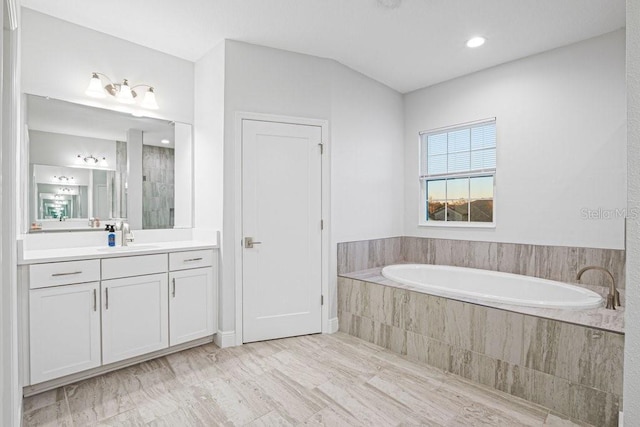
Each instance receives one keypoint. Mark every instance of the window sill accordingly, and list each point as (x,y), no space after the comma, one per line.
(454,224)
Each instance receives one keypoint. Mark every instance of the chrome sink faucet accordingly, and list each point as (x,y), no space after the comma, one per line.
(613,298)
(127,234)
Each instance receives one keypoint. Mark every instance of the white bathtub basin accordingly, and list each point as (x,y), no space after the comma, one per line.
(475,285)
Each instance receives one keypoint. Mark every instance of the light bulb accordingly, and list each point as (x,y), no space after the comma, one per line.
(149,100)
(95,88)
(476,41)
(90,160)
(124,95)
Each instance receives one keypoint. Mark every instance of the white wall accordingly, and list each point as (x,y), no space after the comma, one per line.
(632,313)
(209,139)
(561,143)
(58,58)
(366,159)
(43,174)
(46,148)
(10,387)
(365,121)
(134,178)
(208,152)
(183,176)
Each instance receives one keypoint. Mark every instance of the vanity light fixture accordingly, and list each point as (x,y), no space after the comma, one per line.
(165,141)
(91,159)
(476,41)
(121,91)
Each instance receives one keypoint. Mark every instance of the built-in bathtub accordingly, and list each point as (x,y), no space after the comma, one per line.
(568,360)
(484,286)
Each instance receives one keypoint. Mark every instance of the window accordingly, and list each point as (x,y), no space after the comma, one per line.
(457,174)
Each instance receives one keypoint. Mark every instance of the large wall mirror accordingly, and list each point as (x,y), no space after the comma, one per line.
(90,166)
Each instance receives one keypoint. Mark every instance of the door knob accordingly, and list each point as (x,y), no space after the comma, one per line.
(249,242)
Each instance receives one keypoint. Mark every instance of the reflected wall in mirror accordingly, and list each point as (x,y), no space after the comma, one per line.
(89,166)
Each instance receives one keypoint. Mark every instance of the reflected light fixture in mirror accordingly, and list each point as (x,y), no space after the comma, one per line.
(90,160)
(121,91)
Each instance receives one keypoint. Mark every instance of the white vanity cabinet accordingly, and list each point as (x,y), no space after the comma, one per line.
(64,318)
(64,330)
(192,296)
(86,314)
(135,312)
(135,317)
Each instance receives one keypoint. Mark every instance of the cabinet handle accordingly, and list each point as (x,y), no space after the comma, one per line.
(173,292)
(66,274)
(193,259)
(106,299)
(95,300)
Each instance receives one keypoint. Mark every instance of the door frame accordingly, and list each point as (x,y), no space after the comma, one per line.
(238,210)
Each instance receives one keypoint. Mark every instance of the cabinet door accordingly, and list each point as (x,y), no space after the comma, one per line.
(64,334)
(135,316)
(191,305)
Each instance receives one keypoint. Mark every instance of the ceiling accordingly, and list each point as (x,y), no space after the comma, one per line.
(405,44)
(52,115)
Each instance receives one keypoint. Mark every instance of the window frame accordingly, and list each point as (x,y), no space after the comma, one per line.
(424,179)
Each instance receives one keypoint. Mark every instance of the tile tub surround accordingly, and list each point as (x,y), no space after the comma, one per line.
(597,318)
(573,370)
(559,263)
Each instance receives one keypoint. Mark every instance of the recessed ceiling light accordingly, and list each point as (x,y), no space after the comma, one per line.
(165,141)
(476,41)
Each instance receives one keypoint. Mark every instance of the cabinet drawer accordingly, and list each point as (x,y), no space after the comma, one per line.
(63,273)
(114,268)
(190,259)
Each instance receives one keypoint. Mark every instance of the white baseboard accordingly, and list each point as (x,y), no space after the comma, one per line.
(225,339)
(333,326)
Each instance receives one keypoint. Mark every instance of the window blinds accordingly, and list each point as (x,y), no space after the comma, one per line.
(463,149)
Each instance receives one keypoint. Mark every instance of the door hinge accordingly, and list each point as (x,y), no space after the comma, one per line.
(321,148)
(321,299)
(322,224)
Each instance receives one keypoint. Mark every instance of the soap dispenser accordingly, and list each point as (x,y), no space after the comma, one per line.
(111,237)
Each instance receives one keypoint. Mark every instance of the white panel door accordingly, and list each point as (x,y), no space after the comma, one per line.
(191,305)
(135,316)
(64,335)
(281,202)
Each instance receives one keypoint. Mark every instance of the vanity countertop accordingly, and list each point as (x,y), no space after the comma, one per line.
(96,252)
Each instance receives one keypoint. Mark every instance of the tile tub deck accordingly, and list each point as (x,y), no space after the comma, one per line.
(568,361)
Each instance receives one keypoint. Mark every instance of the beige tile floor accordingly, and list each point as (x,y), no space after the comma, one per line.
(331,380)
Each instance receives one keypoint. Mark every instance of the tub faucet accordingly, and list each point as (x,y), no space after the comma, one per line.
(613,298)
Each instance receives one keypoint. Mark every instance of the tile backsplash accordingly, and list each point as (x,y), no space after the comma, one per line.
(548,262)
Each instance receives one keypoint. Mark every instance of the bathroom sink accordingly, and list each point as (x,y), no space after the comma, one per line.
(128,248)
